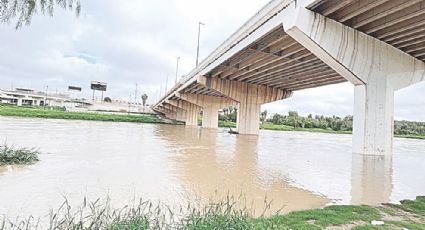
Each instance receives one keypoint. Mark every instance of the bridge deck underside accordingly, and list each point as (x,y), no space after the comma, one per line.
(278,61)
(399,23)
(196,88)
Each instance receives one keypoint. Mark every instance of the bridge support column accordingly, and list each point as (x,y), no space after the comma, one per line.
(250,98)
(376,68)
(210,117)
(19,103)
(192,115)
(373,125)
(181,115)
(210,107)
(189,112)
(248,115)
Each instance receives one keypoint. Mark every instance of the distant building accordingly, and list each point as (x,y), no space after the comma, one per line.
(28,97)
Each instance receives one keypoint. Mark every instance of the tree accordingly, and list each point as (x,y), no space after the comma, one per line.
(263,116)
(107,99)
(23,10)
(226,111)
(144,99)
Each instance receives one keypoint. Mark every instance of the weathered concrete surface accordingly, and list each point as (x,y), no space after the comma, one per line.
(374,67)
(250,98)
(188,112)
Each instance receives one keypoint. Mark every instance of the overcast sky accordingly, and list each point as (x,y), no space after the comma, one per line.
(137,41)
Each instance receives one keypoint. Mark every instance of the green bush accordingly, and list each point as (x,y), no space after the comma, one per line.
(22,156)
(56,113)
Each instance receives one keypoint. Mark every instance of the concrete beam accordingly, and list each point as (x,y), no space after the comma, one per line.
(356,56)
(175,103)
(188,110)
(170,107)
(376,68)
(250,98)
(180,113)
(167,113)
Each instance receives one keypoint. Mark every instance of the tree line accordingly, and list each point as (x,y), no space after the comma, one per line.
(334,123)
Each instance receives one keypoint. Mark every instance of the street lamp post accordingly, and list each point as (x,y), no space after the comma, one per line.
(197,49)
(45,97)
(166,85)
(177,68)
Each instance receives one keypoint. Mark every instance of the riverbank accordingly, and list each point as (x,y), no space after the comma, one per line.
(270,126)
(51,113)
(410,214)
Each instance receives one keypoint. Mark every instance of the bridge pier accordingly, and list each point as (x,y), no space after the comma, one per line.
(179,113)
(210,107)
(192,115)
(210,116)
(248,118)
(373,120)
(376,68)
(250,98)
(189,112)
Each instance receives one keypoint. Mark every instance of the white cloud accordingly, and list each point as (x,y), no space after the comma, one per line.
(138,41)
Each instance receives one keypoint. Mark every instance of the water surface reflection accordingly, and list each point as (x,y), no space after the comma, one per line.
(371,179)
(214,165)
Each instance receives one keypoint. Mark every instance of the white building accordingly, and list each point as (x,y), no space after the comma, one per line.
(28,97)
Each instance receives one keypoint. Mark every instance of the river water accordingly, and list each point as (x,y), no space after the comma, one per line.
(175,164)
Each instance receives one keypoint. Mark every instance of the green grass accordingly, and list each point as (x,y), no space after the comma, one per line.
(417,206)
(17,156)
(321,218)
(270,126)
(59,114)
(411,136)
(225,215)
(227,124)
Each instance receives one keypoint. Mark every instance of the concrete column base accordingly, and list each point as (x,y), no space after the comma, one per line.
(248,118)
(371,179)
(210,117)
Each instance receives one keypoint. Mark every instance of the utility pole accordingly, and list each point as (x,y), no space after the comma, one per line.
(45,97)
(135,95)
(129,104)
(199,36)
(166,85)
(177,68)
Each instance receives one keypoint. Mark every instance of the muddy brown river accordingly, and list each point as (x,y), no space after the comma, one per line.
(174,164)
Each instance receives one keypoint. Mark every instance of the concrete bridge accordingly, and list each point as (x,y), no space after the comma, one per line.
(291,45)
